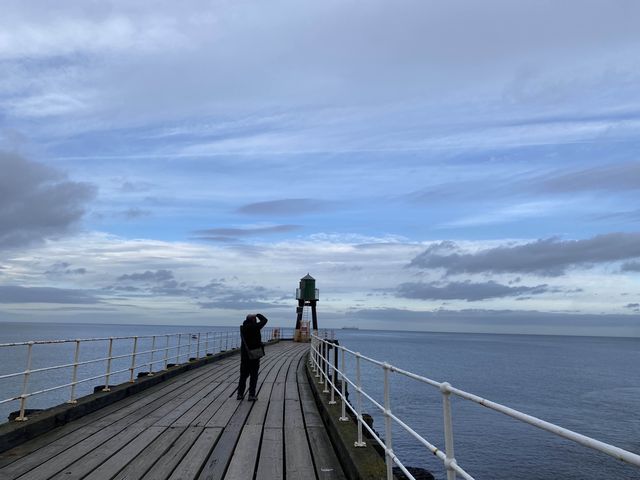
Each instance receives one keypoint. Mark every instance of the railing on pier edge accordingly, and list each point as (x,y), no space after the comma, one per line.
(332,374)
(165,350)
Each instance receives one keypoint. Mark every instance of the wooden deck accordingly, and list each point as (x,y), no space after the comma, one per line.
(192,427)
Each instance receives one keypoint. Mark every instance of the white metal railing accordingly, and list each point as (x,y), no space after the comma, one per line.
(329,373)
(165,350)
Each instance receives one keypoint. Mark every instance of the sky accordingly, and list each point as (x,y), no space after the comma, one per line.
(444,166)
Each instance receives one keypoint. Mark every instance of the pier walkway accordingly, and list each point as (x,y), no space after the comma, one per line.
(192,427)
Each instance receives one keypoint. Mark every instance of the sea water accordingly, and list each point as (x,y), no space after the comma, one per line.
(588,384)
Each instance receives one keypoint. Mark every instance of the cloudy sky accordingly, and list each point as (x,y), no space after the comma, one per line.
(446,166)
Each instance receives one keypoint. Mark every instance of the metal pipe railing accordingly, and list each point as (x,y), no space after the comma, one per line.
(319,358)
(171,352)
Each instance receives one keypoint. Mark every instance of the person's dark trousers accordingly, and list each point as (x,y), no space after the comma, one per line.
(248,368)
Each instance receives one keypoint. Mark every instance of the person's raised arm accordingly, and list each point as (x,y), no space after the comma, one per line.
(262,320)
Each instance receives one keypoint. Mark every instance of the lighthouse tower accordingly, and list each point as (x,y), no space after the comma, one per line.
(307,295)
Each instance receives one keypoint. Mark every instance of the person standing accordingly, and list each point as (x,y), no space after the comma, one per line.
(251,339)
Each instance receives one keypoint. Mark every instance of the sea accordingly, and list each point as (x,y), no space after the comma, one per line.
(590,385)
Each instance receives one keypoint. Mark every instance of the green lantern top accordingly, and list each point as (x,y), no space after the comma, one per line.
(307,290)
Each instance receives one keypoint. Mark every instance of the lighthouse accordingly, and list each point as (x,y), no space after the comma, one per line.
(307,296)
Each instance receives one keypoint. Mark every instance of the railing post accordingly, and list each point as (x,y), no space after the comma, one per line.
(107,377)
(179,345)
(189,347)
(133,358)
(343,388)
(360,442)
(206,345)
(75,373)
(153,350)
(387,423)
(166,352)
(334,375)
(25,384)
(316,358)
(321,363)
(226,344)
(327,364)
(450,459)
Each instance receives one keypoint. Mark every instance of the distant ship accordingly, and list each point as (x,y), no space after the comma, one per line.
(350,328)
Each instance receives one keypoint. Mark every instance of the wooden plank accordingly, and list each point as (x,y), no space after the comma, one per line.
(244,458)
(168,459)
(145,459)
(90,461)
(225,412)
(223,415)
(259,412)
(161,401)
(212,409)
(48,445)
(310,411)
(182,404)
(293,414)
(275,412)
(270,463)
(191,415)
(221,456)
(324,456)
(117,462)
(213,415)
(192,462)
(297,456)
(216,465)
(59,462)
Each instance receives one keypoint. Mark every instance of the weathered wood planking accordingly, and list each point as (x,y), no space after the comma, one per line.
(324,457)
(298,460)
(192,427)
(56,441)
(167,460)
(142,462)
(223,453)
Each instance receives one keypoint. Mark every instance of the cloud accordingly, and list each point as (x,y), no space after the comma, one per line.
(613,178)
(625,215)
(16,294)
(133,213)
(232,234)
(147,276)
(136,187)
(235,304)
(287,206)
(36,201)
(547,257)
(62,268)
(471,292)
(631,266)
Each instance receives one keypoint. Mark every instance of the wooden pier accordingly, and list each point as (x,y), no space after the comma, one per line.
(192,427)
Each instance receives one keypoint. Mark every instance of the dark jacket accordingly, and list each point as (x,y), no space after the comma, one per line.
(250,331)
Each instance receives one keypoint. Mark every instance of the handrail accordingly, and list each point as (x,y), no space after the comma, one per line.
(328,374)
(181,346)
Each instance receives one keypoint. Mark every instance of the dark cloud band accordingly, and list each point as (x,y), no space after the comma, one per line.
(548,257)
(37,201)
(471,292)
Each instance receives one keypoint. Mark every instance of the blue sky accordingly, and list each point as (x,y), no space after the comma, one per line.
(450,166)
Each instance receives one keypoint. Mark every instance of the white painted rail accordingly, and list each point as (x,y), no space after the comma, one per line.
(332,374)
(161,351)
